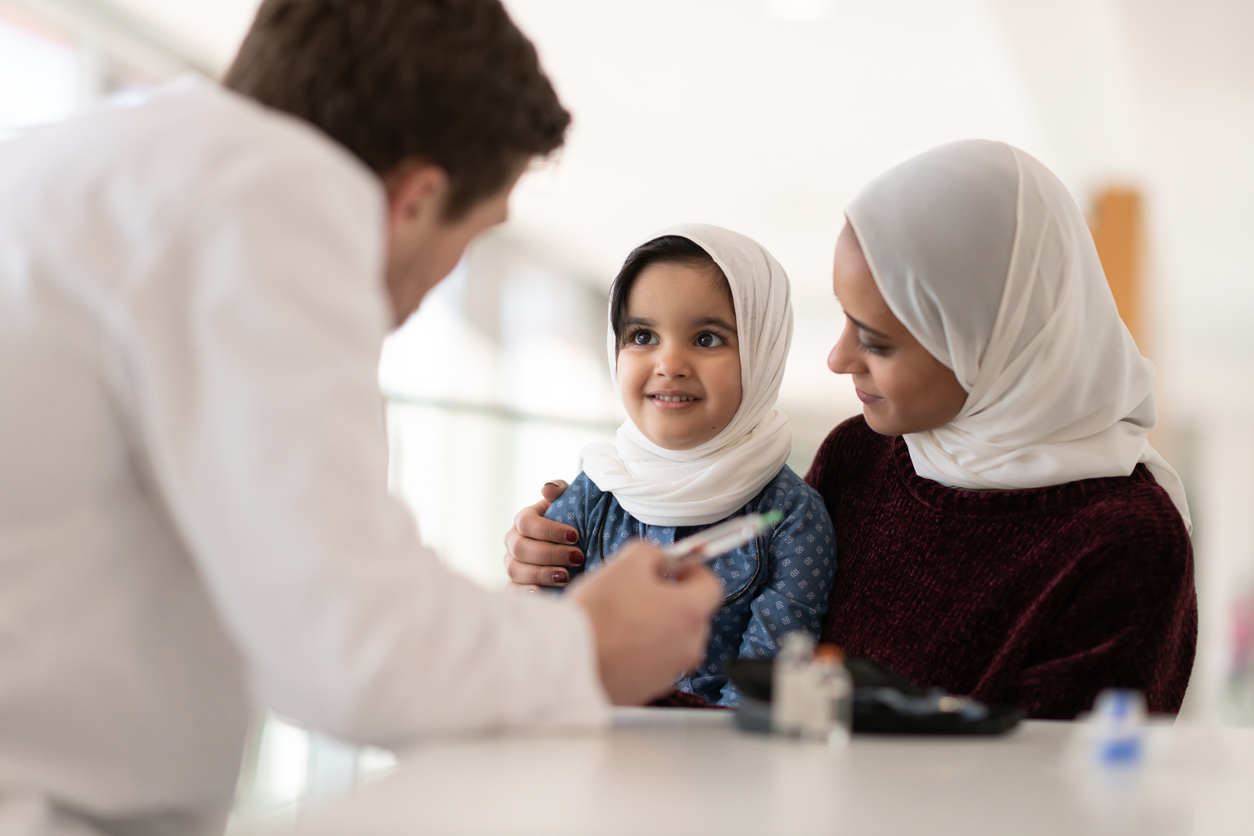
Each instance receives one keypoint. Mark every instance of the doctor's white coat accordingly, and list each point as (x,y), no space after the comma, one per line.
(194,516)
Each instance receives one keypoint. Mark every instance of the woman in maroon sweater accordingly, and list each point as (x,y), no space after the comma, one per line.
(1003,527)
(1038,598)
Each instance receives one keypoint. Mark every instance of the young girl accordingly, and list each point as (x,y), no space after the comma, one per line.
(700,327)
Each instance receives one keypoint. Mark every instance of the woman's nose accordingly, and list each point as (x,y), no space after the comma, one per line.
(844,357)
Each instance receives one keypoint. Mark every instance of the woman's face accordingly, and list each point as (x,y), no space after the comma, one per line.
(679,363)
(903,388)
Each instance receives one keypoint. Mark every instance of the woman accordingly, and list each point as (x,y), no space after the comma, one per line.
(1003,527)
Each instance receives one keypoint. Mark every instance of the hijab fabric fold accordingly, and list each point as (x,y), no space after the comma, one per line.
(710,482)
(983,255)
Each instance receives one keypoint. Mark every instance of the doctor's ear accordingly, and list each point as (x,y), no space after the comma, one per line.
(416,192)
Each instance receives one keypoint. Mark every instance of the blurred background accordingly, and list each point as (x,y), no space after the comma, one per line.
(767,116)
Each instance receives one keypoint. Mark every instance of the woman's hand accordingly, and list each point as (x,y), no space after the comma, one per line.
(540,552)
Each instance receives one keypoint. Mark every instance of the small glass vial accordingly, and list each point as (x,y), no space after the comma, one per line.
(834,696)
(1117,728)
(790,681)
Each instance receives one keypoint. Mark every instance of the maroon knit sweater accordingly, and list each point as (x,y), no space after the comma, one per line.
(1038,598)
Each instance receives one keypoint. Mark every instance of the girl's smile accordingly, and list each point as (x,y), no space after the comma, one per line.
(679,358)
(672,399)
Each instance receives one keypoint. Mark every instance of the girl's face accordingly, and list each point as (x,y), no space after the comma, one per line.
(679,361)
(903,388)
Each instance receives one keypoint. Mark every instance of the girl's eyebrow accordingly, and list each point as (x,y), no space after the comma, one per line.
(638,320)
(713,320)
(868,328)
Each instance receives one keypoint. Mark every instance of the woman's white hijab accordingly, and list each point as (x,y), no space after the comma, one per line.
(983,255)
(708,483)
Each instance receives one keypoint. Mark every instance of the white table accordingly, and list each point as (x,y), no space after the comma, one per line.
(691,772)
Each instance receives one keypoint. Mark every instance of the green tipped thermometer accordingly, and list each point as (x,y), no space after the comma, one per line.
(707,545)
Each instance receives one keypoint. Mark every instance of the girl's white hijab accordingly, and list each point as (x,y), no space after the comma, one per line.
(708,483)
(983,255)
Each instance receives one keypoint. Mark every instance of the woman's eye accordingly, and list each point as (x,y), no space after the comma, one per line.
(710,340)
(867,348)
(644,338)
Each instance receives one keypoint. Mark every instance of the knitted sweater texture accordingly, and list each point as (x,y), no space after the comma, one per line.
(1038,598)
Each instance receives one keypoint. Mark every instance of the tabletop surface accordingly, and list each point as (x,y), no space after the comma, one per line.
(683,771)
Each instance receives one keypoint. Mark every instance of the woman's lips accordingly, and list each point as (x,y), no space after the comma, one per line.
(865,398)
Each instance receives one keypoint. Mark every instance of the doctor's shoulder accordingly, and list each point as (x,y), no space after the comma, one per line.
(215,150)
(281,146)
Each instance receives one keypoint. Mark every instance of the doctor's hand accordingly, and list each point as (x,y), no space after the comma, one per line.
(540,552)
(649,630)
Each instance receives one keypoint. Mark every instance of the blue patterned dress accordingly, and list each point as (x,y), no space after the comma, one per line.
(780,582)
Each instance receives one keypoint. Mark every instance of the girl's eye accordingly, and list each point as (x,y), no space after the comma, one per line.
(643,337)
(708,339)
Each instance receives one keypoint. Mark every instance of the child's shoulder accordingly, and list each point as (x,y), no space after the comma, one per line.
(801,505)
(787,488)
(806,529)
(581,494)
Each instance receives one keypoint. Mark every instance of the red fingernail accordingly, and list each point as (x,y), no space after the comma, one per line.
(572,537)
(576,558)
(560,576)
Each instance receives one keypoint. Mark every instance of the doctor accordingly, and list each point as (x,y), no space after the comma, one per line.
(194,519)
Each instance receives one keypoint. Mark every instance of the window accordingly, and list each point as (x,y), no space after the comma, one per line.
(41,74)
